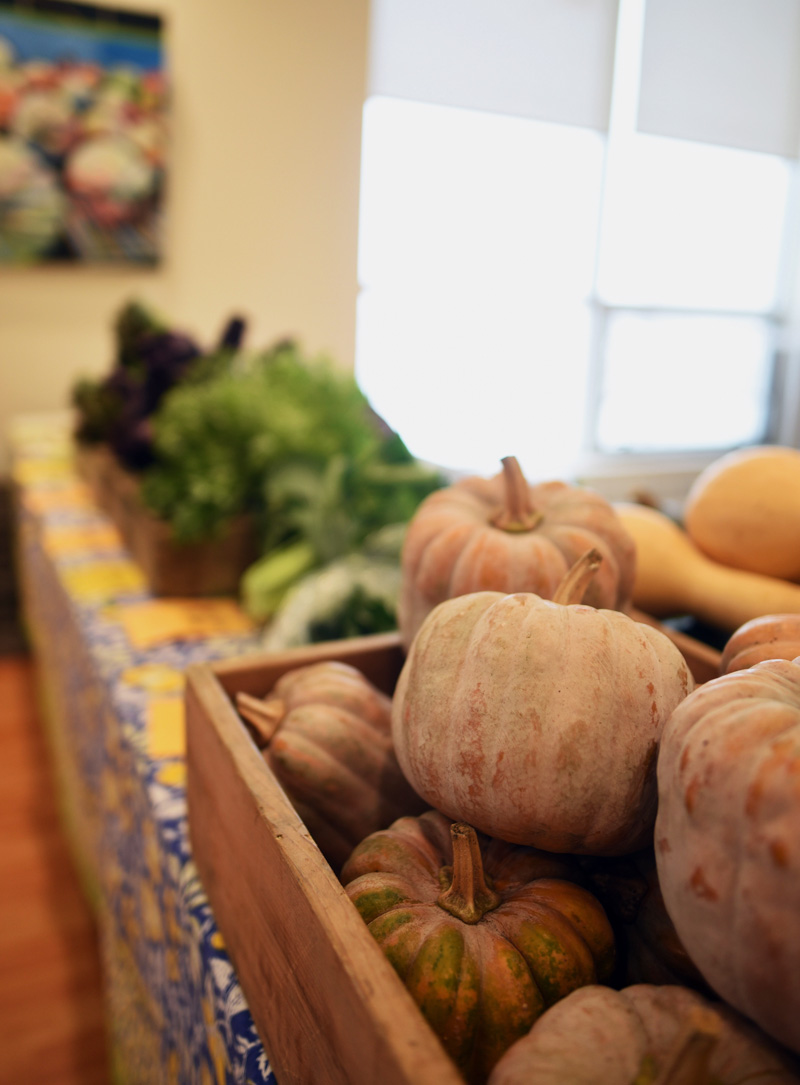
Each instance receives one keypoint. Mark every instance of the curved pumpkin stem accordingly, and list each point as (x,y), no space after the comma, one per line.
(263,717)
(689,1060)
(468,897)
(517,513)
(573,587)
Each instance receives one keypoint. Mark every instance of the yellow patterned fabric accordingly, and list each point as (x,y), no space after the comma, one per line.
(112,663)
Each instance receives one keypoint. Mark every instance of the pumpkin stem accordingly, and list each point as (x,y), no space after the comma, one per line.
(468,897)
(688,1063)
(573,587)
(263,717)
(517,513)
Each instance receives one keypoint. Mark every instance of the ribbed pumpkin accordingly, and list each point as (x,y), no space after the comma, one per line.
(481,933)
(325,732)
(641,1035)
(728,839)
(502,534)
(772,636)
(538,721)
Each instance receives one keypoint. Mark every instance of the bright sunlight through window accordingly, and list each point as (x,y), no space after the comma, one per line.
(519,293)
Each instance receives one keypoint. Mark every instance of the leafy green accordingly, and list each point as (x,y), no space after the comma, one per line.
(293,442)
(289,439)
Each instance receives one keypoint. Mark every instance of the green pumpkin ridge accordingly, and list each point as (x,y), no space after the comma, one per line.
(376,902)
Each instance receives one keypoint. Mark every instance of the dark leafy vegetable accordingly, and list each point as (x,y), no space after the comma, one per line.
(150,360)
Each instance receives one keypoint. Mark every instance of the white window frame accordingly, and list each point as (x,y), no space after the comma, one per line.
(667,476)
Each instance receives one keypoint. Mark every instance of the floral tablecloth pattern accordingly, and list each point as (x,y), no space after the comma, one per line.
(111,662)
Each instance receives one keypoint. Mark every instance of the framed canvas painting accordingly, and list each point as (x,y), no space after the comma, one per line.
(83,140)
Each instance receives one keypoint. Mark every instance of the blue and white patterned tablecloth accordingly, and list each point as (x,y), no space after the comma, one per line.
(111,661)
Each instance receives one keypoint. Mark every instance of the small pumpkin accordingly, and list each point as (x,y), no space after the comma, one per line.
(743,510)
(538,721)
(641,1035)
(772,636)
(502,534)
(727,840)
(648,947)
(484,935)
(325,733)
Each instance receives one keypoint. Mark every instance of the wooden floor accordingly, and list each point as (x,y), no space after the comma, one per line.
(52,1028)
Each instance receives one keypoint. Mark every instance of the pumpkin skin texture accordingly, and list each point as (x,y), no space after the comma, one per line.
(727,840)
(538,722)
(772,636)
(599,1036)
(325,734)
(744,510)
(502,534)
(480,982)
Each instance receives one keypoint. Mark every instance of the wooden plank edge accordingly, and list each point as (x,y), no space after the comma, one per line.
(379,656)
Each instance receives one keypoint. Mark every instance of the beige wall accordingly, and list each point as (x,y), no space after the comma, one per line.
(262,202)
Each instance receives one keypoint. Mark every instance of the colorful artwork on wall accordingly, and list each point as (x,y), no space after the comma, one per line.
(83,140)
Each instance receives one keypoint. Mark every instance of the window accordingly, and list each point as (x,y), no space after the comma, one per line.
(584,298)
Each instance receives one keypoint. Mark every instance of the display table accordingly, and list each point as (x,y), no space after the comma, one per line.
(111,660)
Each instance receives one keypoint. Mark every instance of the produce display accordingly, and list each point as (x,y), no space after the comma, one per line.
(726,839)
(502,534)
(325,732)
(485,936)
(582,865)
(214,434)
(643,1034)
(538,720)
(565,744)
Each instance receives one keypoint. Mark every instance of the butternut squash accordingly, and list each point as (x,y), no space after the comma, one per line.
(674,577)
(743,510)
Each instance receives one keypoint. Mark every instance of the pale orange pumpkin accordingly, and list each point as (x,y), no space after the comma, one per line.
(728,839)
(538,721)
(643,1034)
(325,733)
(772,636)
(502,534)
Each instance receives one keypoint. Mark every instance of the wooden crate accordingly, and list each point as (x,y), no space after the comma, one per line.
(212,567)
(326,1003)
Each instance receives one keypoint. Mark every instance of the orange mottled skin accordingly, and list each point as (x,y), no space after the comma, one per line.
(480,984)
(728,839)
(502,534)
